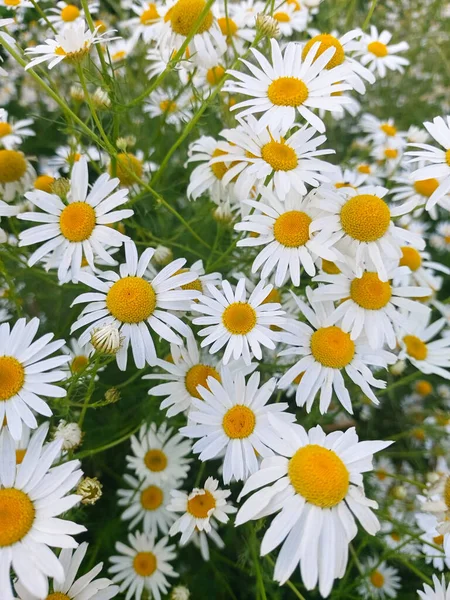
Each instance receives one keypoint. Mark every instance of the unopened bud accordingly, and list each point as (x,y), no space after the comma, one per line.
(61,187)
(101,99)
(163,255)
(223,214)
(180,592)
(267,26)
(77,93)
(125,142)
(112,395)
(70,433)
(106,339)
(90,490)
(398,367)
(399,492)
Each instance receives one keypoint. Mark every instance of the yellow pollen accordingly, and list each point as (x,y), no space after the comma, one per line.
(424,388)
(13,166)
(279,156)
(415,347)
(79,363)
(200,505)
(239,318)
(291,229)
(213,76)
(168,106)
(145,563)
(365,218)
(378,48)
(365,169)
(57,596)
(418,434)
(73,157)
(127,162)
(329,267)
(228,27)
(287,91)
(425,187)
(20,455)
(150,15)
(410,258)
(12,2)
(239,422)
(131,300)
(155,460)
(332,347)
(389,130)
(395,536)
(101,26)
(60,51)
(438,540)
(343,184)
(391,153)
(447,157)
(44,183)
(185,13)
(319,476)
(152,497)
(12,377)
(198,375)
(16,516)
(193,285)
(219,169)
(5,129)
(370,292)
(282,17)
(273,296)
(381,474)
(326,41)
(69,13)
(377,579)
(77,221)
(120,55)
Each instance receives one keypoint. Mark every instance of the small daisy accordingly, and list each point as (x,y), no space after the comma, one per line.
(314,485)
(67,156)
(12,133)
(136,305)
(234,419)
(283,229)
(417,135)
(441,238)
(65,13)
(378,55)
(79,356)
(171,105)
(144,565)
(32,494)
(199,508)
(340,179)
(381,580)
(236,28)
(439,558)
(159,458)
(416,192)
(148,21)
(382,475)
(16,5)
(206,177)
(291,17)
(439,591)
(27,373)
(79,227)
(389,154)
(421,269)
(240,324)
(327,351)
(147,504)
(16,174)
(379,131)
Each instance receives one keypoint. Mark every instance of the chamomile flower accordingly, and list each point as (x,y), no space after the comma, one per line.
(169,104)
(340,179)
(291,17)
(27,373)
(65,12)
(16,5)
(67,156)
(242,325)
(79,227)
(381,580)
(136,305)
(326,352)
(389,154)
(314,485)
(16,174)
(441,238)
(158,456)
(439,557)
(234,418)
(283,229)
(148,21)
(291,84)
(79,356)
(379,56)
(379,131)
(439,591)
(236,28)
(199,508)
(206,177)
(12,133)
(416,192)
(32,494)
(143,565)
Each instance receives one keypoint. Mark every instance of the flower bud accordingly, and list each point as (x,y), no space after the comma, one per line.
(70,433)
(101,99)
(77,93)
(162,255)
(90,489)
(180,592)
(61,187)
(267,26)
(106,339)
(112,395)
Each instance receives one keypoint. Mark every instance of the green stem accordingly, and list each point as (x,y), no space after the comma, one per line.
(90,22)
(43,15)
(89,391)
(259,578)
(369,14)
(400,383)
(109,445)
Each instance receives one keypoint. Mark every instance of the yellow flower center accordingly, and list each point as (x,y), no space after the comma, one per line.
(13,166)
(145,563)
(365,218)
(200,505)
(326,41)
(219,169)
(16,516)
(12,2)
(438,540)
(378,48)
(5,129)
(79,363)
(273,296)
(389,130)
(131,300)
(447,157)
(291,229)
(342,184)
(228,27)
(152,497)
(44,183)
(370,292)
(77,221)
(279,156)
(100,25)
(377,579)
(168,106)
(155,460)
(391,153)
(69,13)
(329,267)
(57,596)
(424,388)
(395,536)
(332,347)
(425,187)
(149,15)
(365,169)
(127,165)
(415,347)
(198,375)
(239,422)
(20,455)
(239,318)
(120,55)
(381,474)
(410,258)
(282,17)
(12,377)
(184,15)
(213,76)
(287,91)
(319,476)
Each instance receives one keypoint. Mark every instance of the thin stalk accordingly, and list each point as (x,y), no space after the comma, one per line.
(43,15)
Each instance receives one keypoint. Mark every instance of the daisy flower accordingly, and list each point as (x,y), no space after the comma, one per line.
(79,227)
(340,179)
(12,133)
(234,419)
(379,131)
(136,305)
(417,135)
(367,304)
(148,22)
(417,192)
(327,351)
(439,558)
(283,229)
(199,508)
(143,565)
(171,105)
(236,28)
(147,504)
(389,154)
(366,232)
(65,13)
(66,156)
(289,85)
(291,161)
(439,129)
(27,373)
(159,457)
(79,356)
(421,269)
(16,174)
(381,581)
(242,325)
(206,177)
(314,485)
(206,46)
(16,5)
(439,591)
(32,494)
(378,55)
(441,238)
(291,17)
